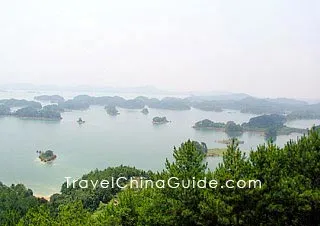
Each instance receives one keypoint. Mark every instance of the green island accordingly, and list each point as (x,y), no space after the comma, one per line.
(145,111)
(159,120)
(112,110)
(285,191)
(207,124)
(270,125)
(47,156)
(50,112)
(80,121)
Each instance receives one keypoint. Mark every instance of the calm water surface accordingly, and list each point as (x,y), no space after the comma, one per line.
(103,141)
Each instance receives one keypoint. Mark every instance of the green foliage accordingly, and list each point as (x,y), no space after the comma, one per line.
(20,103)
(15,201)
(201,146)
(304,114)
(208,124)
(233,129)
(30,112)
(71,214)
(271,134)
(111,110)
(90,197)
(38,216)
(159,120)
(266,121)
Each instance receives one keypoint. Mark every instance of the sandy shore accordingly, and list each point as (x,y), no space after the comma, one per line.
(42,196)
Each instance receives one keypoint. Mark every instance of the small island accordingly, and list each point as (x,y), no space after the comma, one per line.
(112,110)
(145,111)
(46,156)
(159,120)
(231,128)
(80,121)
(207,124)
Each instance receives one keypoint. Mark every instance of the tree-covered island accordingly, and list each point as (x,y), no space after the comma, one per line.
(271,125)
(145,111)
(112,110)
(159,120)
(47,156)
(51,112)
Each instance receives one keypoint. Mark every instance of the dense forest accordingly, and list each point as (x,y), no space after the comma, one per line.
(289,194)
(271,125)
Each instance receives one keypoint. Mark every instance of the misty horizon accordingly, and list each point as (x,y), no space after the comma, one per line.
(264,49)
(138,90)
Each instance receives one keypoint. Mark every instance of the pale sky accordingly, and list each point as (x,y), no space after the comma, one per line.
(264,48)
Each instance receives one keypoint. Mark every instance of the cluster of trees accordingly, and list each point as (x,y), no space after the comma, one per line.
(15,202)
(30,112)
(272,125)
(159,120)
(11,103)
(231,128)
(208,124)
(145,111)
(304,114)
(266,121)
(30,109)
(51,112)
(289,193)
(111,110)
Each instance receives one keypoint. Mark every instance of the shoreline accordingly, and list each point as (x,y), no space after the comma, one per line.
(46,197)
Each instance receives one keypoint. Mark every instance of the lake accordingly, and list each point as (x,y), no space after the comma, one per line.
(128,139)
